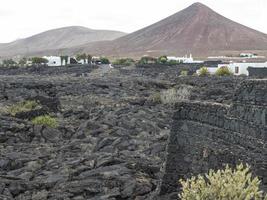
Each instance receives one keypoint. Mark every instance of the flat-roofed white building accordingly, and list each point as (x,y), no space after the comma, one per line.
(241,68)
(184,59)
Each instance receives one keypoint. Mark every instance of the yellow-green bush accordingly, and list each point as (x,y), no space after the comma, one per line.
(45,120)
(227,184)
(203,71)
(184,73)
(223,71)
(156,98)
(24,106)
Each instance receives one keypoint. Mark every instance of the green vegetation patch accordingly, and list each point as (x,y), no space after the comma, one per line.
(24,106)
(123,61)
(45,120)
(227,184)
(204,71)
(223,71)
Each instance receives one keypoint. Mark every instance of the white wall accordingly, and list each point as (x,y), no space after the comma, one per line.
(53,61)
(242,67)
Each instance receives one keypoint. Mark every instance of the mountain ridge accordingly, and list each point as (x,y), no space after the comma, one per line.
(60,38)
(196,29)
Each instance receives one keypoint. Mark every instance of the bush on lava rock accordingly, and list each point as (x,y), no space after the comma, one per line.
(45,120)
(230,184)
(204,71)
(24,106)
(223,71)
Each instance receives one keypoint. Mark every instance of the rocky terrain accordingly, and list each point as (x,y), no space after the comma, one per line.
(112,134)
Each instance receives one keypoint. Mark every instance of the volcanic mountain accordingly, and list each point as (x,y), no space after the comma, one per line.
(196,29)
(51,40)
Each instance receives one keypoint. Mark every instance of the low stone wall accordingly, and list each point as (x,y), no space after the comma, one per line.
(208,136)
(257,72)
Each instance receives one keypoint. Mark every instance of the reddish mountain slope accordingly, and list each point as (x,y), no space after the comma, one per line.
(196,29)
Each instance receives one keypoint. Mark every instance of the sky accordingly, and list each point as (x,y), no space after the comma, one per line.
(23,18)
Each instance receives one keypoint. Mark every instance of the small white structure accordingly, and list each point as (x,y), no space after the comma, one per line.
(53,61)
(184,59)
(242,68)
(248,55)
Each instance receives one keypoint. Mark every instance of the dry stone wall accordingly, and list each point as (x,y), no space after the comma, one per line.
(208,136)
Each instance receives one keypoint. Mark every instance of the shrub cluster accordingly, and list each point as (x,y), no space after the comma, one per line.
(104,60)
(223,71)
(123,61)
(24,106)
(147,60)
(204,71)
(45,120)
(184,73)
(227,184)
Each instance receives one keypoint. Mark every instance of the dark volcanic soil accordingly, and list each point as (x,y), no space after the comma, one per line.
(111,139)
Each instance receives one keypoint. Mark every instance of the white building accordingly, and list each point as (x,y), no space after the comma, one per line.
(241,68)
(248,55)
(55,61)
(184,59)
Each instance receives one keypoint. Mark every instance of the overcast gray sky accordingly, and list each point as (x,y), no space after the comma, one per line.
(23,18)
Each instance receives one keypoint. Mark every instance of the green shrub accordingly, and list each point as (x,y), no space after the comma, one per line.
(123,61)
(223,71)
(45,120)
(104,60)
(162,59)
(226,184)
(147,60)
(155,98)
(173,62)
(9,62)
(24,106)
(39,60)
(184,73)
(204,71)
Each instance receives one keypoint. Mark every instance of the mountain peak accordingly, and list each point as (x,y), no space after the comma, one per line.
(199,5)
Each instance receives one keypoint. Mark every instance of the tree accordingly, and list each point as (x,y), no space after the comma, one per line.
(64,58)
(148,60)
(104,60)
(80,57)
(23,61)
(89,58)
(39,60)
(9,62)
(162,59)
(227,184)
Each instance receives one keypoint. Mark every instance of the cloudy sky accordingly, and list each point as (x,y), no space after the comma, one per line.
(23,18)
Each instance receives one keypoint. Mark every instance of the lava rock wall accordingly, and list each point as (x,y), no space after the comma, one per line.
(209,135)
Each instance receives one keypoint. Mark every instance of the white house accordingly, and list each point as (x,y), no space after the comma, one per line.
(241,68)
(184,59)
(55,61)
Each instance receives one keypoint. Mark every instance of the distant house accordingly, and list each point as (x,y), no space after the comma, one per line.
(241,68)
(184,59)
(248,55)
(55,61)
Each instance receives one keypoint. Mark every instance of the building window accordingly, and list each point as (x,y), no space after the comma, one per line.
(236,70)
